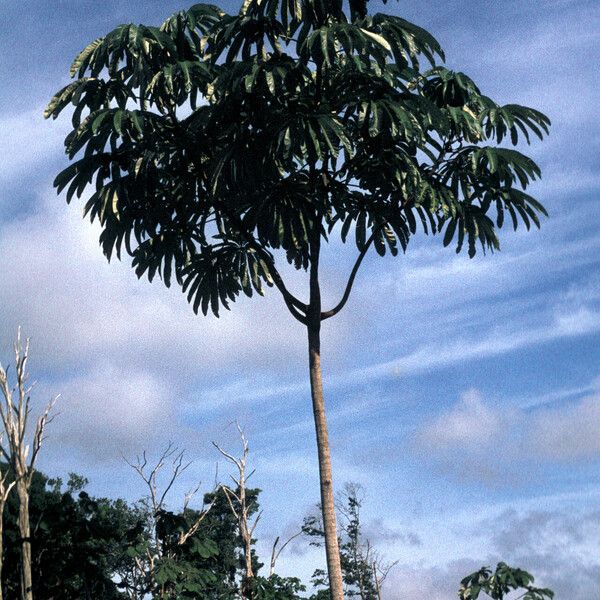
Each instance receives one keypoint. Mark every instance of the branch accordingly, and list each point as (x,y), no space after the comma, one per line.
(275,554)
(227,491)
(183,537)
(189,495)
(228,456)
(38,437)
(4,452)
(334,311)
(258,516)
(15,415)
(178,468)
(151,479)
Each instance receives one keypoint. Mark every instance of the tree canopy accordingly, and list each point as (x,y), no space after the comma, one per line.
(214,140)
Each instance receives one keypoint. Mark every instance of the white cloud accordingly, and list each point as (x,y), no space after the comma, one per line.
(111,412)
(567,433)
(505,444)
(470,423)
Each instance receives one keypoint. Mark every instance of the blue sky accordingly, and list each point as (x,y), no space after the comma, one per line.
(464,395)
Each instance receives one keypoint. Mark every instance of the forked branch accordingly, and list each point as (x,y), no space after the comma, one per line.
(334,311)
(275,552)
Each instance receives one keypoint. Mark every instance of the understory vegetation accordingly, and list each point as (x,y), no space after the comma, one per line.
(93,548)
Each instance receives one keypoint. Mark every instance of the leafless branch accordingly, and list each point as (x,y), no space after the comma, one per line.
(158,491)
(242,508)
(184,536)
(334,311)
(275,552)
(15,410)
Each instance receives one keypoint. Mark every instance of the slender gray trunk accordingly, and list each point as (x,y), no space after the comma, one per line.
(247,539)
(25,533)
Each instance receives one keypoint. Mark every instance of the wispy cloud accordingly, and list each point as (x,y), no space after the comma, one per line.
(438,355)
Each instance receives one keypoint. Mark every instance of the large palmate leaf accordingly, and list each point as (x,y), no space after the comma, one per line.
(499,584)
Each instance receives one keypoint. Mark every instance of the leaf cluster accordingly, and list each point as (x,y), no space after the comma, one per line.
(497,584)
(216,139)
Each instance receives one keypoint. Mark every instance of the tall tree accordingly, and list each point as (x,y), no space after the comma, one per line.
(15,414)
(217,143)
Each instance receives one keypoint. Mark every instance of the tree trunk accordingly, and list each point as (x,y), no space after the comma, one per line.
(25,532)
(334,567)
(332,550)
(249,575)
(247,539)
(377,586)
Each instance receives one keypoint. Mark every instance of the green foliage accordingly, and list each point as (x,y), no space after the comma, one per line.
(213,140)
(210,563)
(78,542)
(276,588)
(358,558)
(182,570)
(497,584)
(83,545)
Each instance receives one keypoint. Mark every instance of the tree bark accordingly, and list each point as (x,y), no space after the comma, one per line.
(332,550)
(247,539)
(334,567)
(25,532)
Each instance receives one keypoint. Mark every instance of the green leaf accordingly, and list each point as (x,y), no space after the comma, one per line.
(450,230)
(82,59)
(378,39)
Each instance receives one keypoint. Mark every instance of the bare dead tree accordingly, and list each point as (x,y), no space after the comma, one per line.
(15,411)
(157,500)
(150,476)
(242,507)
